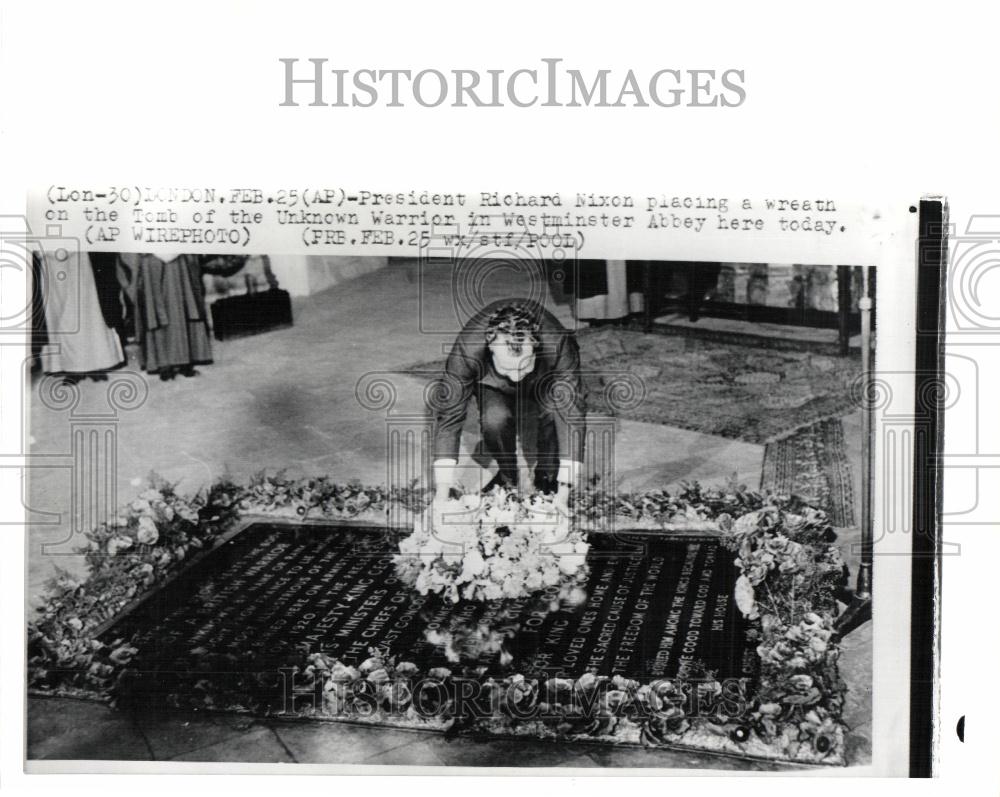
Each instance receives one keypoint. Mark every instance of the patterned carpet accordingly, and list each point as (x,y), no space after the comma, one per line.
(729,390)
(812,464)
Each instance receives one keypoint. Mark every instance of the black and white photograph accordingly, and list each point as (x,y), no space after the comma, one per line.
(451,398)
(451,512)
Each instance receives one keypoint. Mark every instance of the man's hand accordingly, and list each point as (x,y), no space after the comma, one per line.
(568,475)
(444,479)
(561,500)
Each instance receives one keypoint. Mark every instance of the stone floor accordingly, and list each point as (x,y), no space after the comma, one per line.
(68,730)
(287,399)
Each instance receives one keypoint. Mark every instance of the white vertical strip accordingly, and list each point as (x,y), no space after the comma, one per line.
(895,352)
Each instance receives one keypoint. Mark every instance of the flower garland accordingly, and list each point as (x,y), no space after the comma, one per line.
(790,571)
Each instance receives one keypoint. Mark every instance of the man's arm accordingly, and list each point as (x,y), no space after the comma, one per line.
(450,403)
(569,415)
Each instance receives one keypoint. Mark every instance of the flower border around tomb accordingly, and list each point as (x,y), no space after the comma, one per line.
(785,550)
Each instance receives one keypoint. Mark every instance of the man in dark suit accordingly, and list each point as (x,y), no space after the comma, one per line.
(514,357)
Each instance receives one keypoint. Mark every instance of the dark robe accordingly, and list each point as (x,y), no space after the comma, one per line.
(170,319)
(109,291)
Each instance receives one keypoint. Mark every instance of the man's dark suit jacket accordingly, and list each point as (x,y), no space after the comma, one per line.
(555,383)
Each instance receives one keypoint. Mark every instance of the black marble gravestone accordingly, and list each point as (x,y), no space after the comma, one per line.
(651,607)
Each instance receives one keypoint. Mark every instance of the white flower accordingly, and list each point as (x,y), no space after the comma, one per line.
(342,674)
(745,597)
(473,565)
(746,523)
(550,576)
(116,544)
(570,563)
(500,569)
(148,533)
(577,597)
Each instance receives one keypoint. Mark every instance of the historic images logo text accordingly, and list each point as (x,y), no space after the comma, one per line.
(312,82)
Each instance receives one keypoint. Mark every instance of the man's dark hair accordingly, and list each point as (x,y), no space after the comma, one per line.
(518,322)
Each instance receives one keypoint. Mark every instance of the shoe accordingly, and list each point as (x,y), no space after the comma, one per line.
(546,484)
